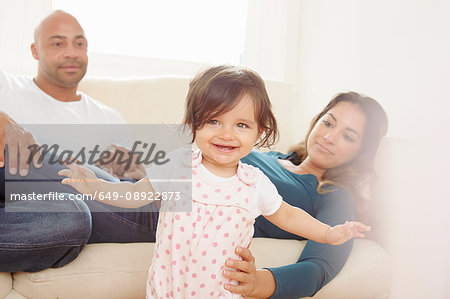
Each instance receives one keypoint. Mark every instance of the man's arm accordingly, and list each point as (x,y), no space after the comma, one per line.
(119,166)
(18,140)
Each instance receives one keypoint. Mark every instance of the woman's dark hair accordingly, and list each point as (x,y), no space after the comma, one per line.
(352,174)
(219,89)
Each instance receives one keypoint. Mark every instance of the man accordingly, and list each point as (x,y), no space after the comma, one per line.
(51,234)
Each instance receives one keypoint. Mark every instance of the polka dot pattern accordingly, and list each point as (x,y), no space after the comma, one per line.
(193,246)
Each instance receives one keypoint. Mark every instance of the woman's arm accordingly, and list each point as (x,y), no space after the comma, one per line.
(252,282)
(302,279)
(317,265)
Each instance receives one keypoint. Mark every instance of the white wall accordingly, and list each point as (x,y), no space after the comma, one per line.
(269,47)
(18,19)
(397,52)
(394,51)
(17,22)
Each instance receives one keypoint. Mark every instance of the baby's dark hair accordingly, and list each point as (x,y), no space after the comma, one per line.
(219,89)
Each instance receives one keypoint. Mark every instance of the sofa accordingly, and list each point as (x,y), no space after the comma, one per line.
(120,270)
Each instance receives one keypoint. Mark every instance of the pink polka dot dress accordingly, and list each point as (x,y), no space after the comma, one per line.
(192,247)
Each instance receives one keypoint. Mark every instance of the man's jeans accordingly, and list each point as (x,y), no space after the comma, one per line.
(43,234)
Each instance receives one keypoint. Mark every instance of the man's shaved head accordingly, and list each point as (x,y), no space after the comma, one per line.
(60,47)
(48,19)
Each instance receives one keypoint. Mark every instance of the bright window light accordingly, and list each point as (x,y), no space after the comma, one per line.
(210,31)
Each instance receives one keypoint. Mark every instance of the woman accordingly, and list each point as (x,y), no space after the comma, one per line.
(322,175)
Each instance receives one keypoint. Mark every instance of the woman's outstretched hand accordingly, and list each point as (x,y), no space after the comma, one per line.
(339,234)
(251,282)
(80,178)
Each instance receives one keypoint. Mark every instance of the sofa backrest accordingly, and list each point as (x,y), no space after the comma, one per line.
(158,100)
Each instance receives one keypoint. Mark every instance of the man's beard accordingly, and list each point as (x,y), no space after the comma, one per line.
(68,79)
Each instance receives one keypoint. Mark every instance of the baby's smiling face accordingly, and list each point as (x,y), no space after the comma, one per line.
(228,137)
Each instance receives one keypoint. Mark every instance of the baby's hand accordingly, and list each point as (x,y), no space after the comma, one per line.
(79,177)
(342,233)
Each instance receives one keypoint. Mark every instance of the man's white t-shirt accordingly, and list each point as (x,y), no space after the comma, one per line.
(28,105)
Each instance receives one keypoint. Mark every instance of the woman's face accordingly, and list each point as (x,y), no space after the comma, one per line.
(337,136)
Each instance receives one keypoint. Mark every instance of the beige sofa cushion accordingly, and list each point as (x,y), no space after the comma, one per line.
(5,284)
(101,271)
(366,275)
(14,295)
(120,271)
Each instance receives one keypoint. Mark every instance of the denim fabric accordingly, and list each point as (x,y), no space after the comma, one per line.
(52,234)
(42,236)
(122,225)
